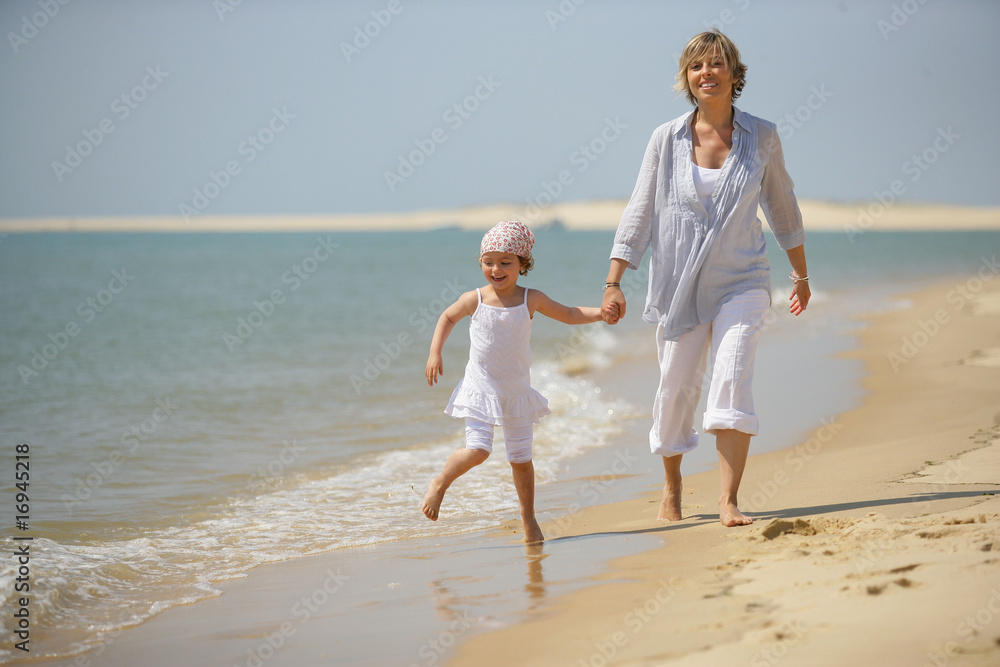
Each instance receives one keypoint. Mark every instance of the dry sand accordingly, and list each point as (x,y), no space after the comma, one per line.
(877,540)
(597,214)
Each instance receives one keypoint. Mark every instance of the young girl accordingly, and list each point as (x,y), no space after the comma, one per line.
(496,389)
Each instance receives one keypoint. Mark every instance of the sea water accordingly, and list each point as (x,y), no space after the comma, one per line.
(198,404)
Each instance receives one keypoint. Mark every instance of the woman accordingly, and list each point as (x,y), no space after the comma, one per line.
(695,205)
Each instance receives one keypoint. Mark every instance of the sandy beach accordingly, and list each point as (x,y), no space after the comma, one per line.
(875,542)
(851,218)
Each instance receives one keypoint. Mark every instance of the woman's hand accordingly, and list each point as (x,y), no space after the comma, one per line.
(613,305)
(800,280)
(799,297)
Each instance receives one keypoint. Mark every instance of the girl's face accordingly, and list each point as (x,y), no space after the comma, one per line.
(500,268)
(708,78)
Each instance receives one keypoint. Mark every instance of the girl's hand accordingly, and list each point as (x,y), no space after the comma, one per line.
(610,313)
(435,367)
(799,297)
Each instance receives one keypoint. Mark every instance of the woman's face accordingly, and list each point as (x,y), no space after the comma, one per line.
(709,78)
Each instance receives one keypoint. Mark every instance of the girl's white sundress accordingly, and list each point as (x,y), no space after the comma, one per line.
(497,382)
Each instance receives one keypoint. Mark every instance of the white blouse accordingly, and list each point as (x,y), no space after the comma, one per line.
(704,255)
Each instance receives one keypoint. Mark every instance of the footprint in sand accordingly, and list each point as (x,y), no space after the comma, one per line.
(781,526)
(988,357)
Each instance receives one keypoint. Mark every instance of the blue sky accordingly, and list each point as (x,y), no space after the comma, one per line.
(115,107)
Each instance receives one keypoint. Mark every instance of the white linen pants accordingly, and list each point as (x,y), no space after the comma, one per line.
(731,339)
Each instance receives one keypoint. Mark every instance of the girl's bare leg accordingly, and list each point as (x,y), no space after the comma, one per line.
(459,462)
(524,482)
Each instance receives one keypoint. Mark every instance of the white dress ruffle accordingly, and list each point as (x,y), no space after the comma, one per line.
(497,383)
(492,409)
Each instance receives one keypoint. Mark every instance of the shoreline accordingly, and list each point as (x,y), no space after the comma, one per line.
(887,569)
(617,471)
(603,214)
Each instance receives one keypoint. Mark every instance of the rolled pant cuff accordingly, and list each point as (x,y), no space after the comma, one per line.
(720,420)
(674,449)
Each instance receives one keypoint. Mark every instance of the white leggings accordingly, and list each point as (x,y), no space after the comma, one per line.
(517,438)
(731,342)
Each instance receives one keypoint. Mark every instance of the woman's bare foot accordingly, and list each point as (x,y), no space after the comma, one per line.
(532,532)
(730,516)
(670,503)
(432,499)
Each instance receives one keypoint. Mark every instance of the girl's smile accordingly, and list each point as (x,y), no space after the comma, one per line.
(500,269)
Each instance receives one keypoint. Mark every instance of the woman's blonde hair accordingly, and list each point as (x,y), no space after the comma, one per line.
(712,43)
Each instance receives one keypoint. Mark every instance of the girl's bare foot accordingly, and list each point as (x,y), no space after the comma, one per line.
(670,504)
(432,499)
(730,516)
(532,532)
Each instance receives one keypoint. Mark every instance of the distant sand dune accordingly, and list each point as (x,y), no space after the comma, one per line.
(599,214)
